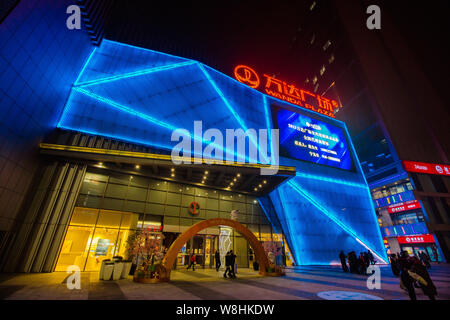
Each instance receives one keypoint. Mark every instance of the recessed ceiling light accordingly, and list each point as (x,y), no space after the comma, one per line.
(173,169)
(172,175)
(238,174)
(206,172)
(137,166)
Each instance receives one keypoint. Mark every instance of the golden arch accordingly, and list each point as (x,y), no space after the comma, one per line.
(176,246)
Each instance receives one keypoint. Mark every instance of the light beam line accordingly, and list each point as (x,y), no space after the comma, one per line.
(228,105)
(297,188)
(143,116)
(135,74)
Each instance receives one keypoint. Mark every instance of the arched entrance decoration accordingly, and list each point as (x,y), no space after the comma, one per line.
(176,246)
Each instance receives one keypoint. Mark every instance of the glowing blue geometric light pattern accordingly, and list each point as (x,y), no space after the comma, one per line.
(140,96)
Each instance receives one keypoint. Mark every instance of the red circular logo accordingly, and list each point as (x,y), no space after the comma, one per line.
(194,208)
(247,76)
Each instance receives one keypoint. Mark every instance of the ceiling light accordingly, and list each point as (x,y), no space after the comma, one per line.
(173,169)
(172,175)
(265,181)
(256,189)
(137,166)
(260,186)
(206,172)
(238,174)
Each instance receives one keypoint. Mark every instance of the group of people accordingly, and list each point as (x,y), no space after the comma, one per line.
(413,273)
(230,261)
(356,264)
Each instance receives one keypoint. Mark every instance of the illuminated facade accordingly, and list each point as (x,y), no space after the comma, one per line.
(140,96)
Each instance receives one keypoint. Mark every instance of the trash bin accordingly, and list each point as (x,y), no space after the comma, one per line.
(126,268)
(108,270)
(102,267)
(118,267)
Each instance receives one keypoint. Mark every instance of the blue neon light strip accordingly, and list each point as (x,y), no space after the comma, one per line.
(143,116)
(274,228)
(228,105)
(85,65)
(283,203)
(326,179)
(308,197)
(136,73)
(126,109)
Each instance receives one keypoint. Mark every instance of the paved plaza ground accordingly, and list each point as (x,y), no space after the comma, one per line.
(303,283)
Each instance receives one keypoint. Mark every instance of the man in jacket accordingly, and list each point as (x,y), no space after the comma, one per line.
(217,258)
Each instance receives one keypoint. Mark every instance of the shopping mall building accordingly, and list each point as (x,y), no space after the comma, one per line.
(108,170)
(87,143)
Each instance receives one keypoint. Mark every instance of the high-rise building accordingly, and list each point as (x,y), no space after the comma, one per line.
(393,104)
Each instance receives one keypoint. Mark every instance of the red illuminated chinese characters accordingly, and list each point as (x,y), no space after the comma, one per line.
(287,92)
(425,238)
(409,205)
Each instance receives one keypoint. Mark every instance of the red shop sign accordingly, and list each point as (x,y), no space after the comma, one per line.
(430,168)
(194,208)
(409,205)
(424,238)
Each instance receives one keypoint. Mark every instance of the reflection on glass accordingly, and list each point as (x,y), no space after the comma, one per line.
(74,248)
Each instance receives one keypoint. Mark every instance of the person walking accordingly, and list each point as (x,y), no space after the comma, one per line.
(343,262)
(371,258)
(192,262)
(424,280)
(227,264)
(394,265)
(406,281)
(435,253)
(217,258)
(233,264)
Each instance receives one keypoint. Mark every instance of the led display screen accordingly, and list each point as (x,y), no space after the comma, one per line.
(308,139)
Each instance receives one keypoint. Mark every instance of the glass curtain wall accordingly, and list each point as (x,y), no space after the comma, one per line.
(111,206)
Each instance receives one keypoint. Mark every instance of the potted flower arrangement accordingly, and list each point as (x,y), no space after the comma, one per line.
(145,247)
(272,251)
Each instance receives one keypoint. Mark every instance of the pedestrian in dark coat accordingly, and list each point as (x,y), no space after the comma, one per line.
(343,262)
(227,265)
(232,264)
(429,288)
(394,265)
(371,258)
(217,258)
(407,282)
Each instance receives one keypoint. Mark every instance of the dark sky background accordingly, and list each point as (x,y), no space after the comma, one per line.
(223,34)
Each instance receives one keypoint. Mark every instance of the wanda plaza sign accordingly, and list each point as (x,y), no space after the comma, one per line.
(285,91)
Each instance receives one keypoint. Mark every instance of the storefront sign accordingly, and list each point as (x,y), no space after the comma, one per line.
(426,238)
(409,205)
(284,91)
(429,168)
(154,228)
(194,208)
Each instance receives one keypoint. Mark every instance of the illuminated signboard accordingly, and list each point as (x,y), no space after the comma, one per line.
(429,168)
(426,238)
(410,205)
(285,91)
(305,138)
